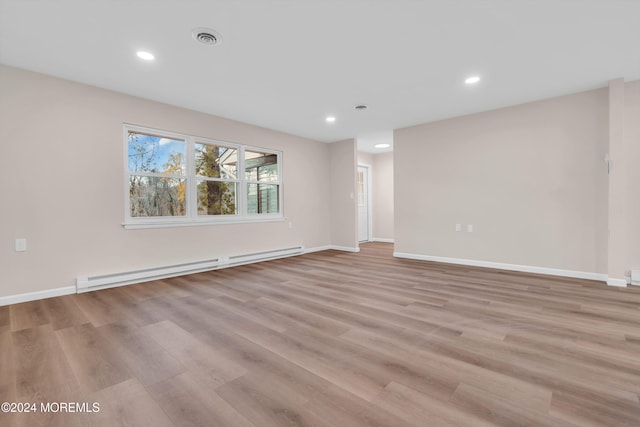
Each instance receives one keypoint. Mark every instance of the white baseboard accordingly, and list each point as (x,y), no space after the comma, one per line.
(512,267)
(32,296)
(317,249)
(345,248)
(382,239)
(620,283)
(330,248)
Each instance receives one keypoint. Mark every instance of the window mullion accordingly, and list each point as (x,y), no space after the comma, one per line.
(242,186)
(192,185)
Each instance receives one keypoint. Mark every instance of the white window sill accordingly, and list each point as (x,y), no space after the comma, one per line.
(190,223)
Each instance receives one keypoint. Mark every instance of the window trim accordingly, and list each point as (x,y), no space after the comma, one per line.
(191,217)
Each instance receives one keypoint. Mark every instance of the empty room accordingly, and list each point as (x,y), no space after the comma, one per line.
(320,213)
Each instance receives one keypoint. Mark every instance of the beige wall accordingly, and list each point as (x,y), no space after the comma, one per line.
(625,170)
(530,179)
(383,196)
(61,145)
(344,212)
(365,158)
(617,201)
(632,136)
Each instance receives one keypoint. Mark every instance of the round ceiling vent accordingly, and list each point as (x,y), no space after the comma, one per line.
(207,36)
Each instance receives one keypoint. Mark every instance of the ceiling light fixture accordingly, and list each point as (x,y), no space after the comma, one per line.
(207,36)
(145,55)
(382,145)
(330,119)
(472,80)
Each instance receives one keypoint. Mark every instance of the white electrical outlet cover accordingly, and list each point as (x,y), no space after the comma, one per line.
(21,245)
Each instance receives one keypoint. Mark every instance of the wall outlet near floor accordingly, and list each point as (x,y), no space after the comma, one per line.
(458,227)
(469,228)
(21,245)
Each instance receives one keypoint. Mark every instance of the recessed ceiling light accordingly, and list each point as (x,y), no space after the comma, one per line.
(382,145)
(472,80)
(145,55)
(330,119)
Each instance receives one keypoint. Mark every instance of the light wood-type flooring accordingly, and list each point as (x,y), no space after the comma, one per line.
(331,339)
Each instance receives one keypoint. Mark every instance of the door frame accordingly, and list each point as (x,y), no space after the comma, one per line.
(369,204)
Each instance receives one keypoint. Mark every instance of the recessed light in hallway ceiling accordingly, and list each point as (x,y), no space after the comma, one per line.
(147,56)
(472,80)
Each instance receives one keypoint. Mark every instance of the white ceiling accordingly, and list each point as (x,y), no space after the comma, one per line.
(287,64)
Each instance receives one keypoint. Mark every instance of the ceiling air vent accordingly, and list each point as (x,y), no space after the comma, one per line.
(207,36)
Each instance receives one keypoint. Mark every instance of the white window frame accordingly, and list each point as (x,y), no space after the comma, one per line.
(191,218)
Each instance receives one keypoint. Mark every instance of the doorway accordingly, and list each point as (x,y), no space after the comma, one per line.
(364,203)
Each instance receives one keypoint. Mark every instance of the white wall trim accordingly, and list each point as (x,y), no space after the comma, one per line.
(619,283)
(32,296)
(317,249)
(382,239)
(330,248)
(345,248)
(513,267)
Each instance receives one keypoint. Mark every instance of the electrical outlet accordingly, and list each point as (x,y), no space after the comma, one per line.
(469,228)
(458,227)
(21,245)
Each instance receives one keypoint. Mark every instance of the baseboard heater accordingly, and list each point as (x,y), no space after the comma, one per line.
(635,277)
(93,283)
(260,256)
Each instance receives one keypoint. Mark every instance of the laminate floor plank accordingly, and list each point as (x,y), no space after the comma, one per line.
(260,361)
(453,369)
(497,411)
(333,365)
(576,366)
(331,339)
(127,403)
(187,404)
(28,315)
(302,317)
(96,363)
(63,312)
(39,363)
(97,307)
(337,407)
(318,304)
(583,411)
(5,318)
(7,378)
(419,409)
(145,358)
(522,372)
(266,401)
(212,366)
